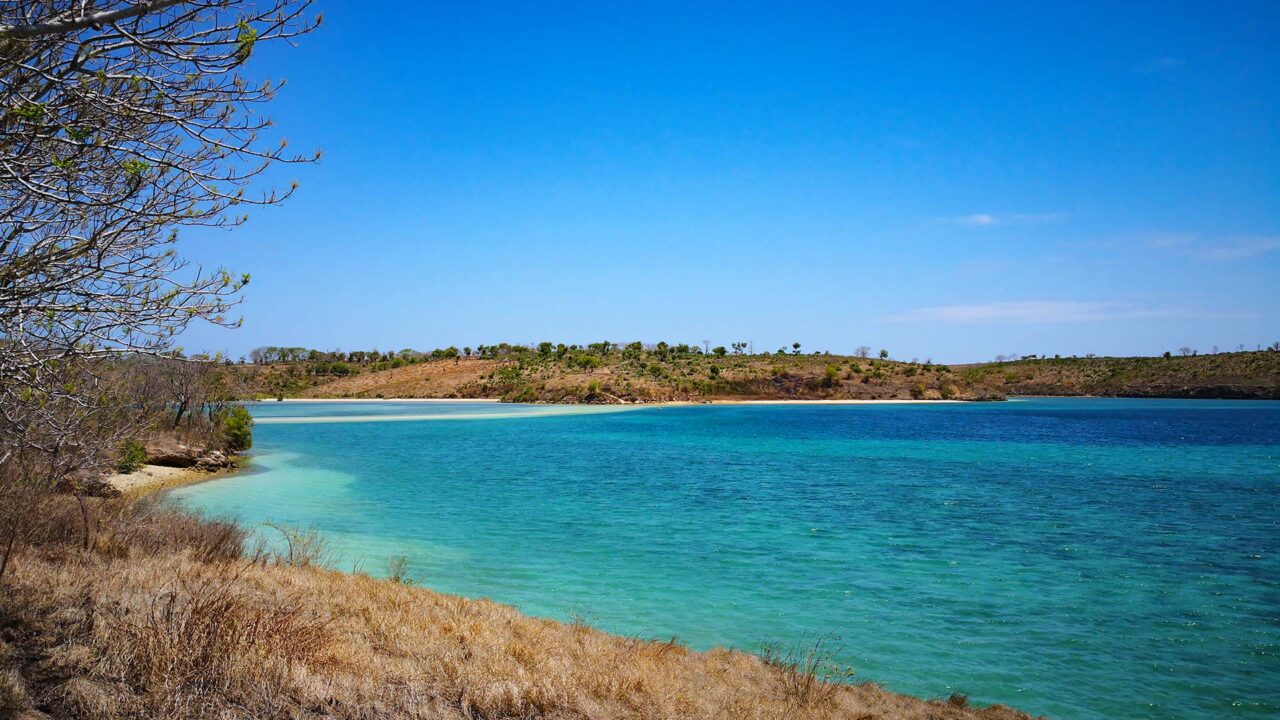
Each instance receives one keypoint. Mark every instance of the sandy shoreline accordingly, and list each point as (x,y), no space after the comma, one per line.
(153,478)
(650,404)
(376,400)
(835,402)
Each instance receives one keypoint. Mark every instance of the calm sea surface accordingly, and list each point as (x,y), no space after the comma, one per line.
(1081,558)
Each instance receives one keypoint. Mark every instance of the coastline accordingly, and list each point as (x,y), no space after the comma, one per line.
(150,479)
(750,675)
(374,400)
(850,401)
(887,401)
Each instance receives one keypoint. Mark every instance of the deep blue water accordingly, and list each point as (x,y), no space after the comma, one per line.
(1081,558)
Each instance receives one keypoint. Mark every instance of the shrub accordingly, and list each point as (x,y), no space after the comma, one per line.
(829,375)
(302,548)
(398,568)
(132,456)
(526,394)
(237,428)
(809,676)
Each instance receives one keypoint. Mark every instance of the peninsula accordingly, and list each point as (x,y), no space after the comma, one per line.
(642,373)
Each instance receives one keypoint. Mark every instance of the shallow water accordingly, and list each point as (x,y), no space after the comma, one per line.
(1082,558)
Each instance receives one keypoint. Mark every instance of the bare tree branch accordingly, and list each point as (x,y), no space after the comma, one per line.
(83,22)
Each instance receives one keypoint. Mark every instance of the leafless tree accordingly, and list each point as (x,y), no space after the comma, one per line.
(120,122)
(185,385)
(862,351)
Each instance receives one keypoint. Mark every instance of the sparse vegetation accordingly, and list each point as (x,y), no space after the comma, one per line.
(636,372)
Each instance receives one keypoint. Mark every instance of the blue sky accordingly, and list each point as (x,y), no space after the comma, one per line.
(945,181)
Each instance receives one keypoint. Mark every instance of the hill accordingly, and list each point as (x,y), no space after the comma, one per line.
(1246,375)
(606,373)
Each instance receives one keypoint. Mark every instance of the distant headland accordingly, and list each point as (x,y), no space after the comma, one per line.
(607,372)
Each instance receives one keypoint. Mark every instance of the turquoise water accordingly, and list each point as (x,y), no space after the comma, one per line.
(1081,558)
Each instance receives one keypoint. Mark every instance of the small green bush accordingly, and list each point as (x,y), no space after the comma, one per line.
(132,456)
(525,394)
(237,428)
(829,375)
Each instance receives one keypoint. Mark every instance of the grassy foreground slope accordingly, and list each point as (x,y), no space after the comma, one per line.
(151,613)
(646,376)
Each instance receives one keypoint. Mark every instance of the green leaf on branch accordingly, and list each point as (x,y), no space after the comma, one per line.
(245,40)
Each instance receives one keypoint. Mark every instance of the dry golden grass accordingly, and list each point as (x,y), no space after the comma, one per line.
(163,617)
(436,379)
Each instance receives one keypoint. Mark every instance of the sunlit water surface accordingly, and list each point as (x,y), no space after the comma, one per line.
(1081,558)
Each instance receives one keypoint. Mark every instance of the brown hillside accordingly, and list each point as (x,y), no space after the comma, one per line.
(614,375)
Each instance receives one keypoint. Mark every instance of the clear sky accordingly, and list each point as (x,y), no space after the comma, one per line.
(946,181)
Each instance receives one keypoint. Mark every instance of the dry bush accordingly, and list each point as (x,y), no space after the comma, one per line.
(31,517)
(203,646)
(302,548)
(807,673)
(149,527)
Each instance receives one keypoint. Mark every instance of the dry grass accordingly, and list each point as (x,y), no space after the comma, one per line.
(436,379)
(163,617)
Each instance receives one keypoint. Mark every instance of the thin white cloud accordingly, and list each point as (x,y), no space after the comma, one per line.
(1196,247)
(1165,240)
(989,220)
(1029,311)
(1242,249)
(979,220)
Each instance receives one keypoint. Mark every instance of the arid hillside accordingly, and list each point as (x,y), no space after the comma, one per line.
(613,378)
(1225,375)
(599,374)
